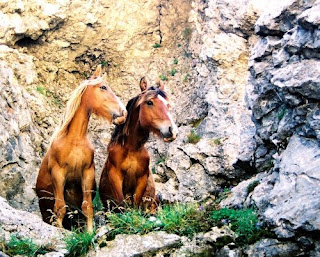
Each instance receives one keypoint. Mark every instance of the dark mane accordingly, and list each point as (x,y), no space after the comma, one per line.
(121,132)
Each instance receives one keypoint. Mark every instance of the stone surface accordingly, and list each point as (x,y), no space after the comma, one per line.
(272,247)
(133,245)
(27,225)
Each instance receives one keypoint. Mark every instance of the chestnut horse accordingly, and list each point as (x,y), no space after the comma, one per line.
(126,171)
(67,172)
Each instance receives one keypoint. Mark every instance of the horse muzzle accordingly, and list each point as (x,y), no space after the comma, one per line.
(171,134)
(119,119)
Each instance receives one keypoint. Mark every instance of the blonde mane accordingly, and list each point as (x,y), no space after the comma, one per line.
(72,106)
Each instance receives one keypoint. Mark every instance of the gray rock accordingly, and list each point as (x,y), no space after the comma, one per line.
(294,199)
(299,78)
(272,247)
(134,245)
(28,225)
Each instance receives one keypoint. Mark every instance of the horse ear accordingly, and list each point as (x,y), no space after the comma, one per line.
(161,85)
(104,76)
(98,71)
(143,84)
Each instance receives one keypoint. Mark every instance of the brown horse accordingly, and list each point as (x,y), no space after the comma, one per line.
(67,171)
(126,171)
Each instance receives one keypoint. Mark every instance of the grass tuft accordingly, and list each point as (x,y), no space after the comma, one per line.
(79,243)
(193,137)
(243,222)
(25,247)
(184,220)
(175,61)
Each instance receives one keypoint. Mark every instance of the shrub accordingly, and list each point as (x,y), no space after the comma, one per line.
(79,243)
(193,137)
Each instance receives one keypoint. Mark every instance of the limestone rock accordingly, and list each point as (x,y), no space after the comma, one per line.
(133,245)
(27,225)
(272,247)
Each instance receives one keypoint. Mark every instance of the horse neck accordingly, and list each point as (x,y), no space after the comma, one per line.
(137,135)
(79,124)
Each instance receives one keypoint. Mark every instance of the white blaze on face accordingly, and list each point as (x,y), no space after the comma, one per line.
(173,125)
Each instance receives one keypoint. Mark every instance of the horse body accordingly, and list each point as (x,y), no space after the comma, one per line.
(66,175)
(126,171)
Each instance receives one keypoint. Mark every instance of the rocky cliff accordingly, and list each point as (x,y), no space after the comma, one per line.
(243,78)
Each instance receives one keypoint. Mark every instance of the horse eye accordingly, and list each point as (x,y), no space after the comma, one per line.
(103,87)
(149,103)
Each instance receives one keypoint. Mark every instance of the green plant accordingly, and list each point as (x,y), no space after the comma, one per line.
(41,90)
(103,63)
(97,204)
(178,45)
(186,77)
(173,72)
(193,137)
(196,123)
(223,195)
(79,243)
(282,111)
(252,186)
(163,77)
(179,219)
(175,61)
(244,222)
(157,45)
(26,247)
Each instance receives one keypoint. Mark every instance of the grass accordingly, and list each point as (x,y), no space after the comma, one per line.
(56,99)
(175,61)
(243,222)
(41,90)
(97,204)
(157,45)
(163,77)
(196,123)
(25,247)
(178,45)
(79,243)
(193,137)
(184,220)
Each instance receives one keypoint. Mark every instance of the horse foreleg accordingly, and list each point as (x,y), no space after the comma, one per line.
(58,180)
(116,181)
(140,189)
(88,183)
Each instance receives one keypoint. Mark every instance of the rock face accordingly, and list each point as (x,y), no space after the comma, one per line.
(283,93)
(26,225)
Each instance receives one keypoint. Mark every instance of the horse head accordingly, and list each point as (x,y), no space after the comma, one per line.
(101,100)
(154,111)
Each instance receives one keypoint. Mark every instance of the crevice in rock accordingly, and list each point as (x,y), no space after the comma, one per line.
(26,42)
(159,22)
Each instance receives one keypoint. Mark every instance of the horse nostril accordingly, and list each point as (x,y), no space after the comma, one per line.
(170,130)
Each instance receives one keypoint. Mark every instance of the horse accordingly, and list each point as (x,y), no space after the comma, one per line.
(126,171)
(67,172)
